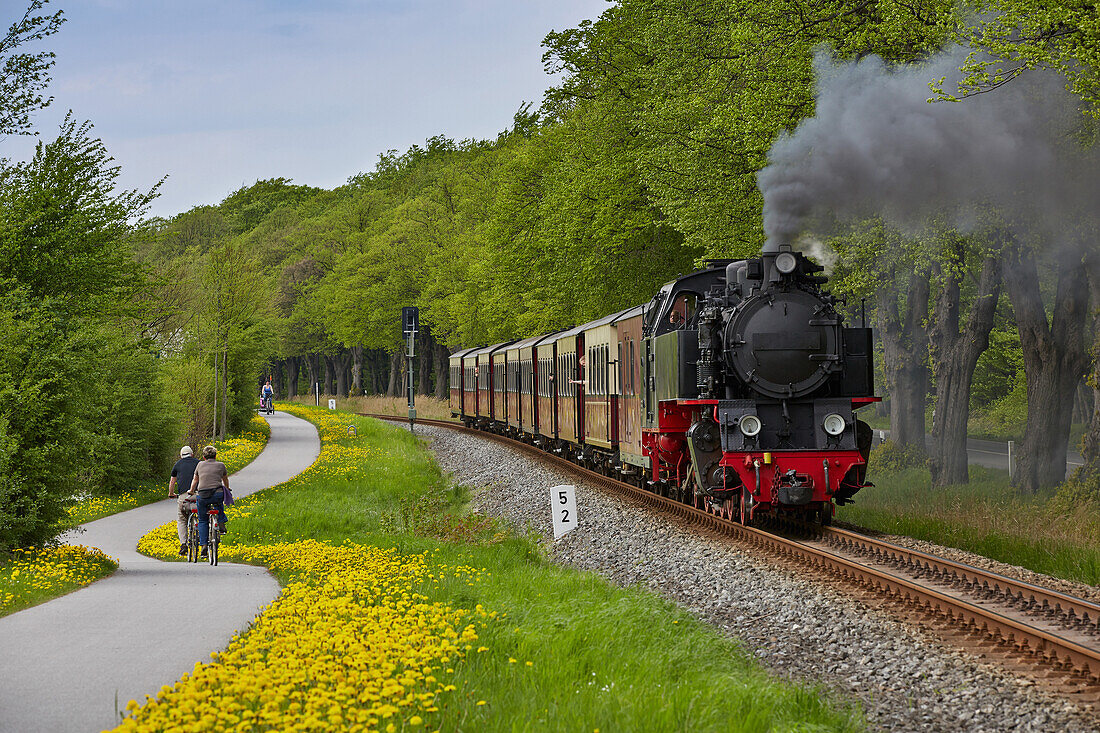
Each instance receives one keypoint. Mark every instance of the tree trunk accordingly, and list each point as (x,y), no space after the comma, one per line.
(394,387)
(343,363)
(224,429)
(292,376)
(330,375)
(357,370)
(427,344)
(442,371)
(280,373)
(1090,442)
(312,368)
(370,358)
(954,356)
(1082,402)
(905,345)
(1054,360)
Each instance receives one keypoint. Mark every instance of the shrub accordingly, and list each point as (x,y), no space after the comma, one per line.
(1082,489)
(893,457)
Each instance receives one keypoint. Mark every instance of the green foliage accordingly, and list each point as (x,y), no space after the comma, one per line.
(80,396)
(190,383)
(890,456)
(1081,490)
(1005,418)
(1012,37)
(23,75)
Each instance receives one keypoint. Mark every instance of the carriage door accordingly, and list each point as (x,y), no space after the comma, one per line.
(649,384)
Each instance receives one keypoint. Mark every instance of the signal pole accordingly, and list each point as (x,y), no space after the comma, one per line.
(410,320)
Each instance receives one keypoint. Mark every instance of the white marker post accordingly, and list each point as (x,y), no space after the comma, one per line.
(332,404)
(563,508)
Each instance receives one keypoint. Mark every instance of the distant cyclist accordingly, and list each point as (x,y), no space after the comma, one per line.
(210,477)
(267,392)
(182,474)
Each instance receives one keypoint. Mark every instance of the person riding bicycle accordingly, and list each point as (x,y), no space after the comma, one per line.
(267,393)
(182,474)
(210,477)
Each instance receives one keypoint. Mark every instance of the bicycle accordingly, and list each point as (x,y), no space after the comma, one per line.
(193,535)
(213,536)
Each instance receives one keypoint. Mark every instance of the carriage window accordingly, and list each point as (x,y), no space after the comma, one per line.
(606,371)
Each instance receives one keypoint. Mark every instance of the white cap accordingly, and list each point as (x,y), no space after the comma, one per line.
(185,451)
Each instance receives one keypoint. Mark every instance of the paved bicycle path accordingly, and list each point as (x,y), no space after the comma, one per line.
(64,664)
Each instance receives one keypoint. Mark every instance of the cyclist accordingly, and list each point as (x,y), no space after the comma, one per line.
(267,393)
(182,474)
(210,477)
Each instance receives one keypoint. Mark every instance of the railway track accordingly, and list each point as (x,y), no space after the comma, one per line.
(1054,636)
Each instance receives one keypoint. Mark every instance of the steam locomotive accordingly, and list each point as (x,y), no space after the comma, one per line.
(735,389)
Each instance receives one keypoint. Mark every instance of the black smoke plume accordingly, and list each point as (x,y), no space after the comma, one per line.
(877,147)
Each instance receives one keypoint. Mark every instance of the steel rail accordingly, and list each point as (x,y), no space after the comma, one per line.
(1045,645)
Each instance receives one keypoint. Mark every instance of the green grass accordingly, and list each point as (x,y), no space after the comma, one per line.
(985,516)
(600,657)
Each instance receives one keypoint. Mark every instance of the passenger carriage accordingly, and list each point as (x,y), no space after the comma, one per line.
(459,380)
(546,402)
(627,335)
(519,394)
(570,388)
(600,399)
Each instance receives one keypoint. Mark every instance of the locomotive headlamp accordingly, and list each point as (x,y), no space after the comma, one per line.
(833,424)
(750,425)
(785,262)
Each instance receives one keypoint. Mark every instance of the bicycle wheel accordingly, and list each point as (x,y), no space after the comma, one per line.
(193,538)
(213,539)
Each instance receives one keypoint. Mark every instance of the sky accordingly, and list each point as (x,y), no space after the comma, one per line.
(217,94)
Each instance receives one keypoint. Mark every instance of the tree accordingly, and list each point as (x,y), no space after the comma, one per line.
(1014,37)
(81,404)
(230,332)
(955,348)
(1055,356)
(23,75)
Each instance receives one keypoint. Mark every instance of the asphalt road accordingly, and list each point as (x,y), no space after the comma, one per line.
(73,663)
(994,454)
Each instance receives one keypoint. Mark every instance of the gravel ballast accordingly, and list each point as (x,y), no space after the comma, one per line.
(797,628)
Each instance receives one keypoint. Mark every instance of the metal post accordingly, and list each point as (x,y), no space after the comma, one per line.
(317,394)
(410,318)
(1011,459)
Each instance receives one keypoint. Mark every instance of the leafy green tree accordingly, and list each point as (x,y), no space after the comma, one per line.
(23,75)
(81,408)
(1013,37)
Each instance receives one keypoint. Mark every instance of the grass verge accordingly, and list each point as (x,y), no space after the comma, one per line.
(986,517)
(374,536)
(427,408)
(31,577)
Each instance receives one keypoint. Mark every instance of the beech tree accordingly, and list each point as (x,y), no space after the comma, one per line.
(1055,351)
(24,76)
(1013,37)
(956,346)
